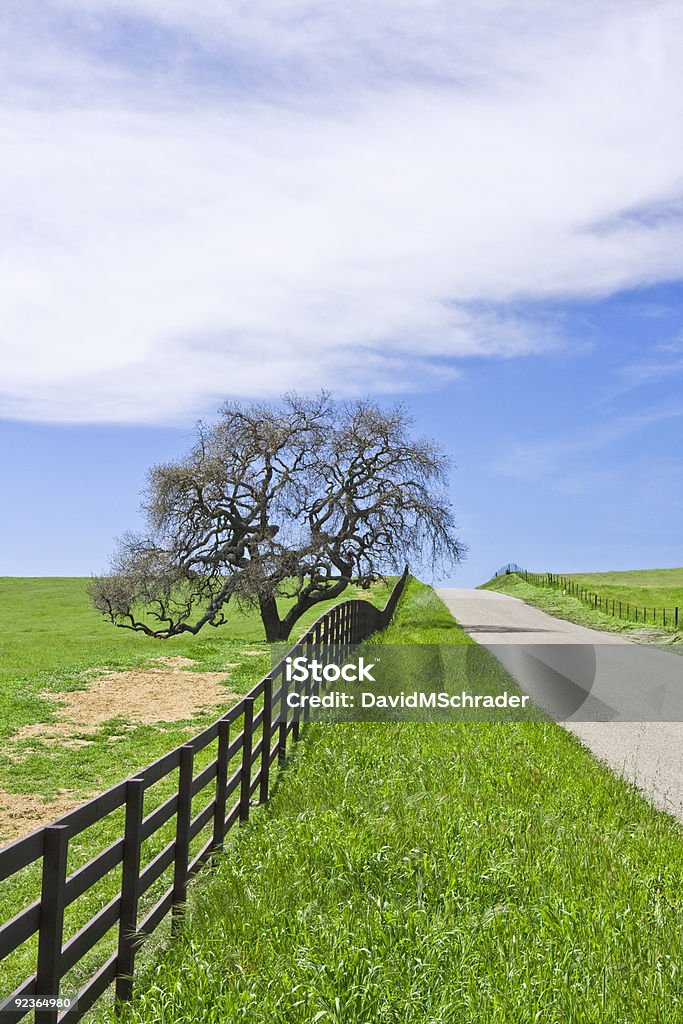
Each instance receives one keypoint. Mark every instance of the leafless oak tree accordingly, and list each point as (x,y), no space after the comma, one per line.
(289,500)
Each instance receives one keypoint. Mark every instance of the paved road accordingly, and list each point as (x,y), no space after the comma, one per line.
(622,699)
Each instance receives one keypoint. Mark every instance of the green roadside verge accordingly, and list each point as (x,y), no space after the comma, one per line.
(566,606)
(434,872)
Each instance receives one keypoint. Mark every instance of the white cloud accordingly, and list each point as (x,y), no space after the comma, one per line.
(179,232)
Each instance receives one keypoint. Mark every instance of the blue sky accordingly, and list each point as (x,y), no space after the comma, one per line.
(478,213)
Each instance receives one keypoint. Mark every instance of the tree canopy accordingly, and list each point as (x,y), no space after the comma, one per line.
(291,499)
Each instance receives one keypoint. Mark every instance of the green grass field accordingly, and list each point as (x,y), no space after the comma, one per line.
(649,588)
(423,873)
(51,631)
(51,637)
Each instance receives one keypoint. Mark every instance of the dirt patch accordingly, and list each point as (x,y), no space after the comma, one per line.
(177,661)
(21,813)
(140,696)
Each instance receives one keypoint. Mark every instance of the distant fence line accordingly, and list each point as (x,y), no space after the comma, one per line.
(343,626)
(612,606)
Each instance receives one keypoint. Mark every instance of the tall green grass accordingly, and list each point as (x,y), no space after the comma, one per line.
(417,873)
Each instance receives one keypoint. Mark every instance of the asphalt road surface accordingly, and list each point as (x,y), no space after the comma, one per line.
(623,700)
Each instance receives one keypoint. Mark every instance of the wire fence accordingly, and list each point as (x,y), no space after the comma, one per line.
(628,611)
(237,770)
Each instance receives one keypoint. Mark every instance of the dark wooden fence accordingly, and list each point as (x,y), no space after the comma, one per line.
(666,617)
(240,769)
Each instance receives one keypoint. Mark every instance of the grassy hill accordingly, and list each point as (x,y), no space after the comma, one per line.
(652,588)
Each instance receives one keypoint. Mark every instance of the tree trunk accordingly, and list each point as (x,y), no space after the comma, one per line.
(276,630)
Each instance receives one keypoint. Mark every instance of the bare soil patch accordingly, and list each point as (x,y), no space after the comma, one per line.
(174,661)
(140,696)
(21,813)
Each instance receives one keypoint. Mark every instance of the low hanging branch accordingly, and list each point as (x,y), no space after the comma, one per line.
(292,501)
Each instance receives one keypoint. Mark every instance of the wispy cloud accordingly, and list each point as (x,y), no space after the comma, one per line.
(664,363)
(562,459)
(216,199)
(649,372)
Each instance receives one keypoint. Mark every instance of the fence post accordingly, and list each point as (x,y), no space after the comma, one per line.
(130,889)
(321,638)
(266,737)
(52,902)
(676,617)
(307,689)
(182,834)
(221,783)
(296,715)
(284,716)
(245,779)
(346,618)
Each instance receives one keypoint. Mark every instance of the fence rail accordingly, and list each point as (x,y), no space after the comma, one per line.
(625,610)
(254,753)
